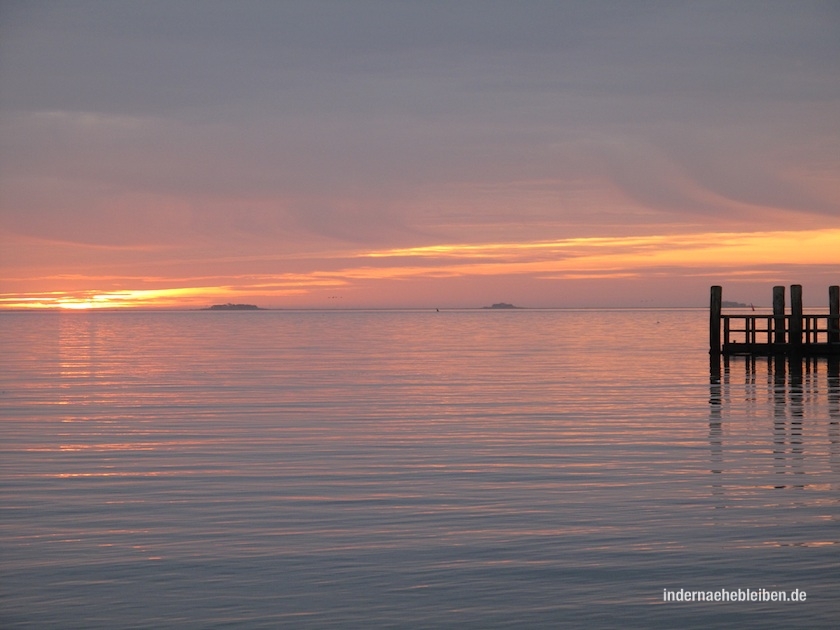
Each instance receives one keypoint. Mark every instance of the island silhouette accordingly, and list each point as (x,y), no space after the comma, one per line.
(233,307)
(500,305)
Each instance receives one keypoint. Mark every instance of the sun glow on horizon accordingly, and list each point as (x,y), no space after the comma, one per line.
(77,306)
(730,255)
(88,300)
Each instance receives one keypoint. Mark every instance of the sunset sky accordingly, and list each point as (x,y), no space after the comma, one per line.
(367,153)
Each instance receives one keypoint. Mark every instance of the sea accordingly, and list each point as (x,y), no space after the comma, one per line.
(484,468)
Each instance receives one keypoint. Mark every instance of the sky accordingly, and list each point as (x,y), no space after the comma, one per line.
(417,153)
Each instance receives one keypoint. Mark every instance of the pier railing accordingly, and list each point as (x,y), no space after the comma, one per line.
(779,333)
(764,329)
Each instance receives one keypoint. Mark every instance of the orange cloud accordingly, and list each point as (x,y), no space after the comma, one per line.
(793,247)
(729,254)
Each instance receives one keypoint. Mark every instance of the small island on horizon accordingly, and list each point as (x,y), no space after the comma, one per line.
(500,305)
(233,307)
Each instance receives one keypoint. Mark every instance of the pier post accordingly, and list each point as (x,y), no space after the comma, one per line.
(834,314)
(779,314)
(796,314)
(715,306)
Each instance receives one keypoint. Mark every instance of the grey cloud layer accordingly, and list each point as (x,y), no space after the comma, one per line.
(351,112)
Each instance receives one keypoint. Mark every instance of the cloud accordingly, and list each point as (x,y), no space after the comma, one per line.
(727,255)
(251,129)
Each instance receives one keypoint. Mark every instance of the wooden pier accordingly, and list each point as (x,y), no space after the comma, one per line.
(792,333)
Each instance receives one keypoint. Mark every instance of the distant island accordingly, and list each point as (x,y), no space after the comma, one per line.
(233,307)
(726,304)
(501,305)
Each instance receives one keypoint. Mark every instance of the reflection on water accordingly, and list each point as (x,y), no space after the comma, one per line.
(801,395)
(407,469)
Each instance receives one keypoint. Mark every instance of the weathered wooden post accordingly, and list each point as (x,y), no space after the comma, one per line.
(796,314)
(715,306)
(779,314)
(834,314)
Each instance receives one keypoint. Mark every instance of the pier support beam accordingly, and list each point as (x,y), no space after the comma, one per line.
(796,314)
(834,314)
(714,319)
(779,314)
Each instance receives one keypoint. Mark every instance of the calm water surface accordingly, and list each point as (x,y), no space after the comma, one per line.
(470,469)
